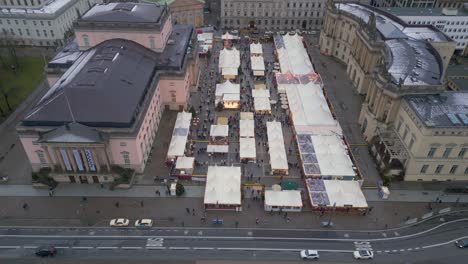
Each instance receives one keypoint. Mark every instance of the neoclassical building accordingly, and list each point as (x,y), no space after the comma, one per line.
(106,99)
(188,12)
(389,61)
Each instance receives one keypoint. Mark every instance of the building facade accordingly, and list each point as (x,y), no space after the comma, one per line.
(387,59)
(420,3)
(432,131)
(187,12)
(104,109)
(272,14)
(39,22)
(453,22)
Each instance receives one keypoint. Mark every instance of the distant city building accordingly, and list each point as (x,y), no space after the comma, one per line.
(39,22)
(453,22)
(272,14)
(388,59)
(105,108)
(420,3)
(185,11)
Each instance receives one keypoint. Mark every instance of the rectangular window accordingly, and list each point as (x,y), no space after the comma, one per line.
(439,169)
(431,152)
(400,122)
(126,158)
(453,170)
(41,156)
(123,144)
(424,168)
(411,143)
(461,154)
(447,152)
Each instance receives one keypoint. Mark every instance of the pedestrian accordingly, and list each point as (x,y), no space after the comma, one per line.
(25,205)
(193,211)
(117,204)
(183,224)
(237,224)
(141,203)
(257,220)
(288,219)
(187,210)
(50,193)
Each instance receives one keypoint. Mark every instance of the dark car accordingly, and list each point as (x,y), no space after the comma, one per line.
(463,243)
(46,251)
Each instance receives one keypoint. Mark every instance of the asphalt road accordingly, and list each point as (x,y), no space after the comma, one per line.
(418,244)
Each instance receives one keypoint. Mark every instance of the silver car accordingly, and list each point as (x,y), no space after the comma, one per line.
(309,254)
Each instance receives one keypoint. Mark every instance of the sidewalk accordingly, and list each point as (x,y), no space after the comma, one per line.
(197,191)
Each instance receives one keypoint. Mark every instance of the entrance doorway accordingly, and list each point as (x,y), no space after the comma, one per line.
(72,179)
(304,24)
(83,179)
(95,179)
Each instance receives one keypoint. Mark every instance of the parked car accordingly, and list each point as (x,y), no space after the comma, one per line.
(363,254)
(462,243)
(143,223)
(309,254)
(119,222)
(48,251)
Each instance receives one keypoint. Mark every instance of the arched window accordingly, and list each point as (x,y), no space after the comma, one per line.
(41,156)
(126,157)
(152,42)
(86,41)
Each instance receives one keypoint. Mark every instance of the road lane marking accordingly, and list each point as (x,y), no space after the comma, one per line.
(107,247)
(30,247)
(130,247)
(396,233)
(444,243)
(387,251)
(62,247)
(9,247)
(416,248)
(179,248)
(203,248)
(155,247)
(394,250)
(82,247)
(384,234)
(409,249)
(401,250)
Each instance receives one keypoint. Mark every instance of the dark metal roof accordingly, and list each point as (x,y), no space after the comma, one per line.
(103,88)
(125,12)
(73,132)
(444,110)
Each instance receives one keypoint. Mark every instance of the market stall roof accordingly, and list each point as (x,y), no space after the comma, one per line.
(292,54)
(289,185)
(219,130)
(227,88)
(185,163)
(277,150)
(228,36)
(307,99)
(229,58)
(335,193)
(179,135)
(223,185)
(288,198)
(324,155)
(247,148)
(231,97)
(247,128)
(262,104)
(203,37)
(261,93)
(229,71)
(259,86)
(258,64)
(256,48)
(217,148)
(246,116)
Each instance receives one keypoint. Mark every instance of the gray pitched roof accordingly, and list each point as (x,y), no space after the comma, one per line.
(125,12)
(105,87)
(72,133)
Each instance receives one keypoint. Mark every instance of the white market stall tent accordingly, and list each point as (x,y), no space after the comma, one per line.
(229,62)
(223,188)
(217,148)
(179,136)
(228,93)
(228,36)
(278,159)
(261,93)
(256,49)
(246,128)
(258,65)
(307,99)
(247,149)
(292,55)
(336,195)
(286,201)
(262,105)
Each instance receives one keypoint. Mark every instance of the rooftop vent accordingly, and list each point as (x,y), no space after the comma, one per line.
(170,42)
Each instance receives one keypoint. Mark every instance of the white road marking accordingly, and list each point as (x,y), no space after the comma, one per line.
(394,250)
(387,251)
(130,247)
(82,247)
(401,250)
(200,233)
(107,247)
(416,248)
(9,247)
(409,249)
(384,234)
(444,243)
(203,248)
(379,251)
(346,235)
(177,248)
(62,247)
(396,233)
(30,247)
(186,232)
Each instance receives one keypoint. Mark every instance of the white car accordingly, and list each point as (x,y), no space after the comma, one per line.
(143,223)
(363,254)
(309,254)
(119,222)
